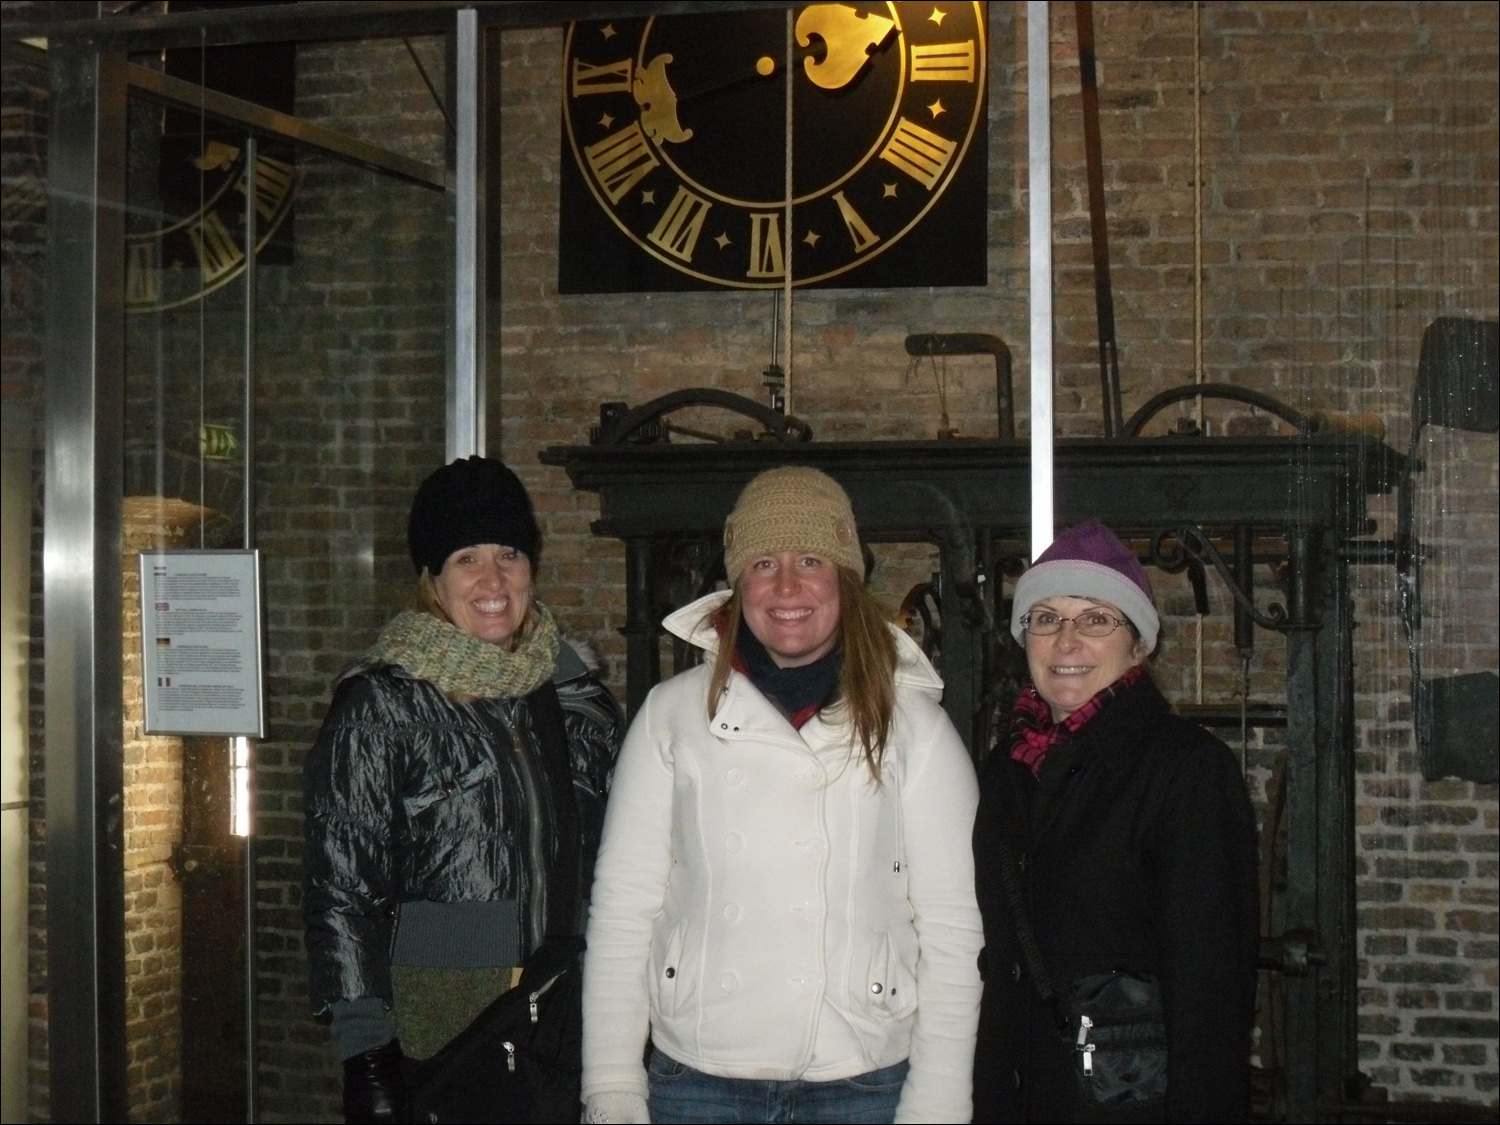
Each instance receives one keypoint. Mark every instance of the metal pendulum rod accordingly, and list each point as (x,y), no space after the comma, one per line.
(1198,213)
(252,236)
(786,281)
(1244,627)
(1104,301)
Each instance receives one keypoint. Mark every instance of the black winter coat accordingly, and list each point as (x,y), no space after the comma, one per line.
(1137,849)
(411,796)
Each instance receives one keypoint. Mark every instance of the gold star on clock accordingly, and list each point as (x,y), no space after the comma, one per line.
(608,31)
(722,240)
(606,121)
(889,192)
(648,196)
(812,238)
(936,108)
(937,16)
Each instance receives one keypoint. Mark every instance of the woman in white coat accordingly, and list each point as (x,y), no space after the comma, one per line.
(784,894)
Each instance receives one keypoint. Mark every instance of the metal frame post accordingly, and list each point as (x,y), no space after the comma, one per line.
(82,583)
(465,387)
(1039,209)
(1303,711)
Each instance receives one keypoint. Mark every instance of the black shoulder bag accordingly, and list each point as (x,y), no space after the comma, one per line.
(521,1060)
(1114,1021)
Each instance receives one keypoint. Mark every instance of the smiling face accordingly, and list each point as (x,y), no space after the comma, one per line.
(486,590)
(791,602)
(1069,670)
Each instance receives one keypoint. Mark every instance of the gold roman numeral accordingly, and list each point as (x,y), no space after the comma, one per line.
(142,285)
(218,252)
(766,246)
(621,160)
(920,153)
(859,230)
(273,180)
(942,62)
(677,232)
(603,78)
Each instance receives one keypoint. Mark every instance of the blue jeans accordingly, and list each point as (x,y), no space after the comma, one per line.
(681,1095)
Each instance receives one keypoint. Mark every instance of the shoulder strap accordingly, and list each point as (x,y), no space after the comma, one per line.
(1031,953)
(563,878)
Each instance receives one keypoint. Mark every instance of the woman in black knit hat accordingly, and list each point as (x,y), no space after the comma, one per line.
(446,788)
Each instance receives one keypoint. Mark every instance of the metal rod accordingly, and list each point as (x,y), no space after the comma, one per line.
(465,413)
(247,446)
(269,122)
(1198,211)
(1104,298)
(786,281)
(1039,155)
(82,578)
(346,19)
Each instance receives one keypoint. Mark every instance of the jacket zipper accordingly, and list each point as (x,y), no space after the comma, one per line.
(535,904)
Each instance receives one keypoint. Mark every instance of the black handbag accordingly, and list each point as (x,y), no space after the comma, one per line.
(1119,1035)
(1114,1021)
(521,1059)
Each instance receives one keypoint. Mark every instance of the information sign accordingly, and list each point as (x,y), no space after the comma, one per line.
(201,643)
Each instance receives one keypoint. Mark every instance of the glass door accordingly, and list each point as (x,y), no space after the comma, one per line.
(285,380)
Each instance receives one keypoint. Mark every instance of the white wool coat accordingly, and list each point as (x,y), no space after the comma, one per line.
(751,873)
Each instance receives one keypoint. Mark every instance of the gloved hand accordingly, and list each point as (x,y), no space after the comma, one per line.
(374,1089)
(620,1109)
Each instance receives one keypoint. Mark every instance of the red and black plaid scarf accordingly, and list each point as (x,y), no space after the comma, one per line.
(1033,734)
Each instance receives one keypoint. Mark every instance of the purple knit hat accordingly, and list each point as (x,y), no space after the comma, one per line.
(1088,561)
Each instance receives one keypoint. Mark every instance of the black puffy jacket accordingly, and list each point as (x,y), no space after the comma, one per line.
(411,796)
(1137,853)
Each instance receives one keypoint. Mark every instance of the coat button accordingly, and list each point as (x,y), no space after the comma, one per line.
(877,988)
(1016,972)
(1016,1074)
(671,972)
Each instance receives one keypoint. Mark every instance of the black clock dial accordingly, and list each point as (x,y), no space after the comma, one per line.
(170,262)
(677,126)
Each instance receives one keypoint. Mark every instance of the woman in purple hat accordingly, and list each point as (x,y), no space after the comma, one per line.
(1115,864)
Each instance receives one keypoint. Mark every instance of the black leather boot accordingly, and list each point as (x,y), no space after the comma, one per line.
(374,1089)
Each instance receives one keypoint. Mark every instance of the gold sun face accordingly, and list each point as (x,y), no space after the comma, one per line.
(678,129)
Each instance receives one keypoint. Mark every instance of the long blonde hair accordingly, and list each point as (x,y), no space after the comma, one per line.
(867,676)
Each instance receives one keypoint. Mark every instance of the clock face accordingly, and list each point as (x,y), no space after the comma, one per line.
(177,261)
(678,128)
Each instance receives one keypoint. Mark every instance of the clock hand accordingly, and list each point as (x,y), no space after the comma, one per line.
(658,101)
(849,37)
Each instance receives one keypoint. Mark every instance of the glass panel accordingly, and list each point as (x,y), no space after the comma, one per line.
(349,328)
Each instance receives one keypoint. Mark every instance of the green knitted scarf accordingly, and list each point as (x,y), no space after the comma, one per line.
(462,665)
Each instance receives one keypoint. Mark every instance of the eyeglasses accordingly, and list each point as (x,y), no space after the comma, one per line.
(1090,623)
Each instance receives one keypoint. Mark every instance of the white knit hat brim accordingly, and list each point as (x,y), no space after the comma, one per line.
(1076,578)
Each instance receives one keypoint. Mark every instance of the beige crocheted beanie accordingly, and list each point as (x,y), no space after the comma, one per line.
(792,509)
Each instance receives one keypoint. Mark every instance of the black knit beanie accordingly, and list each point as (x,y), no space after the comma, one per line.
(472,501)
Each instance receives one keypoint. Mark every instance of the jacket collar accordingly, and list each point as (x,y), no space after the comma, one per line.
(1105,747)
(694,623)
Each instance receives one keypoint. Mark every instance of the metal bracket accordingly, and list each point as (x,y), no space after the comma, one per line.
(1194,546)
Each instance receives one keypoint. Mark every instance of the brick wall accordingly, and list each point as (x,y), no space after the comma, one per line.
(23,238)
(1349,196)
